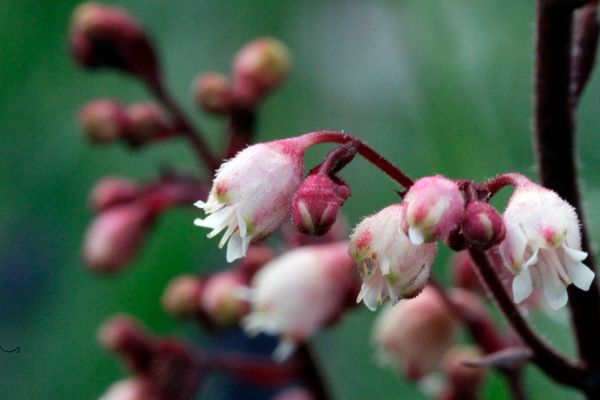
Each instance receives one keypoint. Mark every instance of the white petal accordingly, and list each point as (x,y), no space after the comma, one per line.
(575,254)
(235,249)
(384,267)
(522,285)
(532,260)
(368,295)
(200,204)
(284,349)
(241,224)
(554,289)
(416,235)
(216,219)
(580,274)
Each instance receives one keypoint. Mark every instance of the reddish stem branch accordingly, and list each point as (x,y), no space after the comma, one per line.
(182,124)
(546,358)
(555,142)
(364,150)
(311,374)
(585,44)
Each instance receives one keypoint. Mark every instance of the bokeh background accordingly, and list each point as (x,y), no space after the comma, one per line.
(438,86)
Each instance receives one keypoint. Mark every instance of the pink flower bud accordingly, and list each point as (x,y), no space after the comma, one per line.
(106,36)
(434,207)
(137,388)
(181,297)
(114,238)
(298,293)
(252,193)
(543,244)
(316,204)
(220,300)
(146,122)
(260,67)
(112,191)
(125,337)
(415,334)
(482,226)
(212,92)
(389,264)
(103,121)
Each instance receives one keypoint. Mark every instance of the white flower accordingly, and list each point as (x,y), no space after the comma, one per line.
(296,294)
(543,245)
(252,194)
(389,264)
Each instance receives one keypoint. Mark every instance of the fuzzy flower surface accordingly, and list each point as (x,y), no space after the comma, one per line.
(434,207)
(252,193)
(543,245)
(390,265)
(298,293)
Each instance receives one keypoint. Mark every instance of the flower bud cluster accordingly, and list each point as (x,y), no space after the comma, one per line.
(106,121)
(259,68)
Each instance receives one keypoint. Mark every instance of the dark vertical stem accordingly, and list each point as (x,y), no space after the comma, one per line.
(311,374)
(515,383)
(585,44)
(240,130)
(555,143)
(182,124)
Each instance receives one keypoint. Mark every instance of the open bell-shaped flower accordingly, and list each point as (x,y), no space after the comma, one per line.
(543,245)
(389,264)
(252,193)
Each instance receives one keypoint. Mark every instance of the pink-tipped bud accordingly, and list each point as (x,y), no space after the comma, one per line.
(415,334)
(433,208)
(212,92)
(482,225)
(316,204)
(220,300)
(295,393)
(146,122)
(103,121)
(181,297)
(136,388)
(106,36)
(260,67)
(115,237)
(112,191)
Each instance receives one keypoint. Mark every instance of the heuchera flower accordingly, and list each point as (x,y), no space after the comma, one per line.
(296,294)
(415,334)
(389,264)
(543,244)
(252,193)
(434,207)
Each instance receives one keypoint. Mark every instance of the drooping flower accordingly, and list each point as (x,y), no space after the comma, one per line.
(415,334)
(252,193)
(389,264)
(296,294)
(434,207)
(543,245)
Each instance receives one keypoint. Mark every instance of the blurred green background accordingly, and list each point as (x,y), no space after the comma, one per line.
(438,86)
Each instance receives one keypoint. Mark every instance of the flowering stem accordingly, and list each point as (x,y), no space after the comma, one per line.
(555,142)
(240,130)
(547,359)
(585,43)
(311,374)
(185,127)
(364,150)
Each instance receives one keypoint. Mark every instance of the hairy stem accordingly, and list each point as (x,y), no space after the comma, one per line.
(555,143)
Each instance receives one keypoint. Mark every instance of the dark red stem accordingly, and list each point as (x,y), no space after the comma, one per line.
(184,126)
(555,143)
(364,150)
(240,130)
(585,44)
(310,374)
(546,358)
